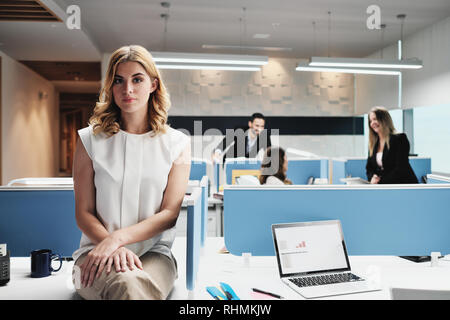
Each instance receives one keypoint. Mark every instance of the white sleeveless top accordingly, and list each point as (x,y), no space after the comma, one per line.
(131,172)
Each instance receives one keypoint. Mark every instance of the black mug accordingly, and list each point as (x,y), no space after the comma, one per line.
(41,263)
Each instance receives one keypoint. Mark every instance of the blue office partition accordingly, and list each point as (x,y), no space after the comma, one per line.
(324,169)
(420,166)
(338,171)
(38,219)
(357,167)
(299,171)
(217,169)
(239,164)
(376,220)
(198,169)
(193,237)
(204,185)
(438,179)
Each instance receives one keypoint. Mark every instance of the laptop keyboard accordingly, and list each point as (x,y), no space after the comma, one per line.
(325,279)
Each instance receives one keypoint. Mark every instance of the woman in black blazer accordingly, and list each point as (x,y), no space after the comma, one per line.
(388,160)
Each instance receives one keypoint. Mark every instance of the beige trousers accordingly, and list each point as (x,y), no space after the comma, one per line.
(154,282)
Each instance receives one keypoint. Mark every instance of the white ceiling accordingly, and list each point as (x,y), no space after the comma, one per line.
(109,24)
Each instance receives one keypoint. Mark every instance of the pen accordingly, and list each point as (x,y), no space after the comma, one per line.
(268,293)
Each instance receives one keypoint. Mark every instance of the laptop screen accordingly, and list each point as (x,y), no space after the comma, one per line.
(310,247)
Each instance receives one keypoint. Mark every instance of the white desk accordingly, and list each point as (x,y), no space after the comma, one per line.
(261,273)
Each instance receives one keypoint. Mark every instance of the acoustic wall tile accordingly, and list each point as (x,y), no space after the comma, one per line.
(277,89)
(195,77)
(324,94)
(191,88)
(254,90)
(226,78)
(254,101)
(345,80)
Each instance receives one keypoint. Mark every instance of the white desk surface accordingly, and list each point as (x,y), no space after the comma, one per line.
(262,273)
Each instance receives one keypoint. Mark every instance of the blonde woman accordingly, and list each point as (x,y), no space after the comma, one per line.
(388,160)
(130,175)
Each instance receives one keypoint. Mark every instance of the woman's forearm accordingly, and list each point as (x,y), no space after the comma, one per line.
(91,226)
(147,228)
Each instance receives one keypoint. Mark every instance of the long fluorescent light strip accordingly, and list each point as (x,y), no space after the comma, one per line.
(213,46)
(365,63)
(205,58)
(207,67)
(348,70)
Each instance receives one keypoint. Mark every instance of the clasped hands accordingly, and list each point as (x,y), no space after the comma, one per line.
(104,256)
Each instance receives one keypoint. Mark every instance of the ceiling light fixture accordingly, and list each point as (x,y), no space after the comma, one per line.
(190,66)
(357,65)
(205,58)
(413,63)
(204,61)
(304,66)
(214,46)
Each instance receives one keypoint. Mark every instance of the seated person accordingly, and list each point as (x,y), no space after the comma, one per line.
(388,160)
(274,167)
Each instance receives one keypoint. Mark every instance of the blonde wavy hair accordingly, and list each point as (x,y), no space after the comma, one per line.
(106,115)
(387,127)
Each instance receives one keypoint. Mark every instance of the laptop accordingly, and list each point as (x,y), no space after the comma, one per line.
(313,261)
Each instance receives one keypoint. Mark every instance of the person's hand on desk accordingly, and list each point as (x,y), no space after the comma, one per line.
(375,179)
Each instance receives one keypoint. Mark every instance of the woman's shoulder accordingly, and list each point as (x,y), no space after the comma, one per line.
(88,132)
(176,136)
(399,137)
(175,141)
(85,130)
(175,132)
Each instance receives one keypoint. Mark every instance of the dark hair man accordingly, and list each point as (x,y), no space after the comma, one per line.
(238,143)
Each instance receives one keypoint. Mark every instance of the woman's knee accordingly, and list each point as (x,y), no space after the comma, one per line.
(132,285)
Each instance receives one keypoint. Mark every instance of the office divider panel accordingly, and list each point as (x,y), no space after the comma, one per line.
(324,168)
(299,170)
(198,169)
(356,167)
(376,220)
(217,169)
(434,178)
(338,168)
(38,219)
(194,232)
(44,218)
(239,164)
(204,212)
(420,166)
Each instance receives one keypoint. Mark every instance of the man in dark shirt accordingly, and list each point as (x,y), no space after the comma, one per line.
(239,143)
